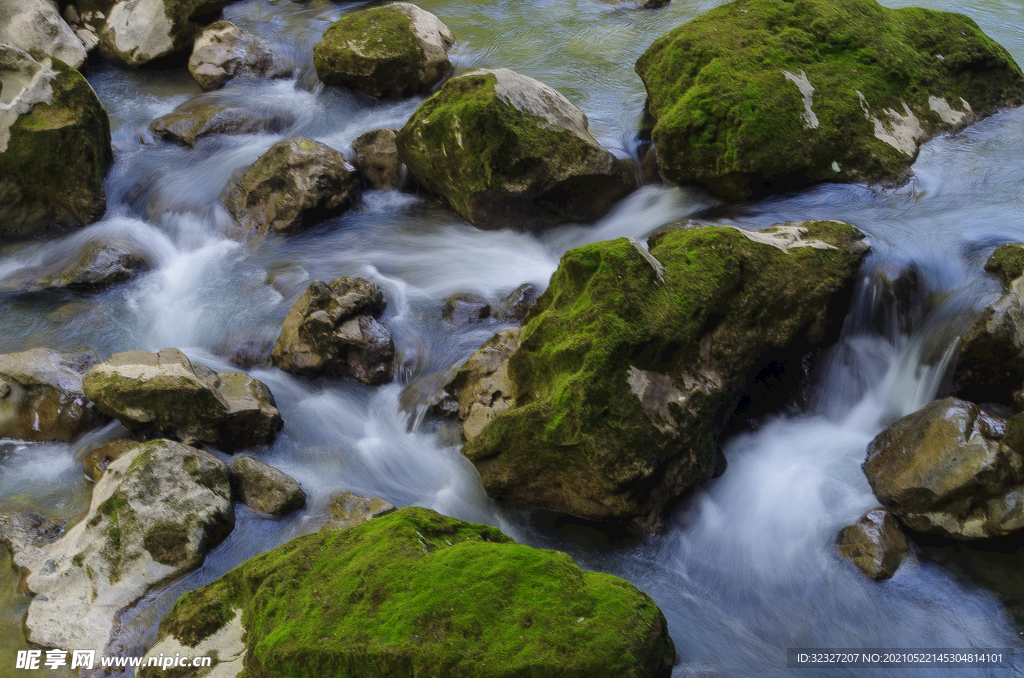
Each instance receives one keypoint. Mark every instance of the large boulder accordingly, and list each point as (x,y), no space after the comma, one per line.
(54,145)
(154,515)
(416,593)
(137,32)
(946,470)
(875,544)
(990,364)
(223,51)
(298,182)
(631,362)
(264,488)
(41,396)
(394,50)
(215,113)
(507,151)
(760,96)
(167,394)
(36,27)
(332,330)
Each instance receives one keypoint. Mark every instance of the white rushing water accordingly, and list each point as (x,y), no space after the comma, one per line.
(747,567)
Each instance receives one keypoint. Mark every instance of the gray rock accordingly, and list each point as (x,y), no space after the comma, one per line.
(945,470)
(347,509)
(99,264)
(137,32)
(332,330)
(36,27)
(296,183)
(377,156)
(167,394)
(514,306)
(41,396)
(462,309)
(154,515)
(224,51)
(265,489)
(875,544)
(214,113)
(22,529)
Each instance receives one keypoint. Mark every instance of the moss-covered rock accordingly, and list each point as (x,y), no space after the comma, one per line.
(631,361)
(137,32)
(393,50)
(990,364)
(41,396)
(416,593)
(332,330)
(167,394)
(54,145)
(875,544)
(946,470)
(507,151)
(760,96)
(154,514)
(296,183)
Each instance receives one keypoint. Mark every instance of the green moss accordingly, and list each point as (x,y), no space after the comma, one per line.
(578,439)
(1006,263)
(57,156)
(415,593)
(167,543)
(727,117)
(119,517)
(386,60)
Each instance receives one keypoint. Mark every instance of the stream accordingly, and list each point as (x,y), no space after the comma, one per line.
(747,567)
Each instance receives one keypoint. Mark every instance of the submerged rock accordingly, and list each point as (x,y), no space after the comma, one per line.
(371,592)
(946,470)
(990,364)
(264,488)
(36,27)
(296,183)
(332,330)
(394,50)
(630,363)
(212,113)
(377,156)
(167,394)
(41,396)
(347,509)
(223,51)
(507,151)
(54,145)
(513,307)
(99,460)
(462,309)
(99,264)
(875,544)
(154,515)
(760,96)
(137,32)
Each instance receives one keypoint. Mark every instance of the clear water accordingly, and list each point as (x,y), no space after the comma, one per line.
(747,567)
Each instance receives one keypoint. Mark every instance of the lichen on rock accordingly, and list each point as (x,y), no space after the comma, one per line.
(416,593)
(760,96)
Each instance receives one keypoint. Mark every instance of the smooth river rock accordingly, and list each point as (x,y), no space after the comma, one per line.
(507,151)
(137,32)
(377,157)
(154,514)
(223,51)
(875,544)
(946,470)
(264,488)
(393,50)
(36,27)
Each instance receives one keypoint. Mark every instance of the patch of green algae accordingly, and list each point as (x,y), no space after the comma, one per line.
(727,118)
(578,439)
(416,593)
(1006,263)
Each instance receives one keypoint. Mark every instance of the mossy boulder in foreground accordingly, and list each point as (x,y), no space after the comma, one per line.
(393,50)
(761,96)
(416,593)
(54,145)
(507,151)
(607,402)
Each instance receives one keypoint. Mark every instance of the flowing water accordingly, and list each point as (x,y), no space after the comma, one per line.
(747,567)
